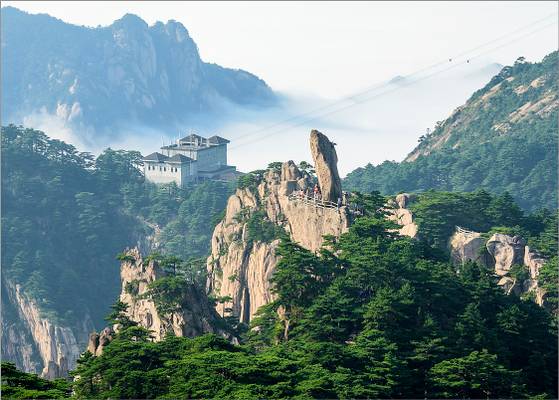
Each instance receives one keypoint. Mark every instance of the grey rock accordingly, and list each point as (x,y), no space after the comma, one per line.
(507,251)
(326,166)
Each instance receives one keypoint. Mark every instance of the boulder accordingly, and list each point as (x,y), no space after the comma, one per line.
(507,251)
(93,342)
(534,261)
(467,246)
(326,166)
(290,172)
(403,200)
(398,213)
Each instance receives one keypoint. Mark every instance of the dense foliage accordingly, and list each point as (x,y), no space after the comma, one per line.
(61,222)
(372,315)
(438,213)
(20,385)
(65,215)
(482,146)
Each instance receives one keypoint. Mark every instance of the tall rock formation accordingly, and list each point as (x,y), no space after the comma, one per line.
(190,315)
(402,215)
(241,263)
(193,316)
(36,343)
(326,166)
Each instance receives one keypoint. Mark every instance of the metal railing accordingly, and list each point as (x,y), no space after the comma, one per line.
(312,200)
(465,231)
(317,202)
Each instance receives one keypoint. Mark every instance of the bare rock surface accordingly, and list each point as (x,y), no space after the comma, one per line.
(400,214)
(57,345)
(326,166)
(507,251)
(239,269)
(467,246)
(193,317)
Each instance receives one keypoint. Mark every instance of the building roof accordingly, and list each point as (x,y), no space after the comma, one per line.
(192,138)
(156,157)
(217,140)
(179,158)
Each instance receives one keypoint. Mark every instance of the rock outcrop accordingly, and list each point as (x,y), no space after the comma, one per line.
(194,315)
(57,346)
(500,253)
(240,266)
(467,246)
(507,251)
(400,214)
(98,341)
(326,166)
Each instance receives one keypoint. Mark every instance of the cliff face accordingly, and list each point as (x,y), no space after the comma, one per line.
(103,77)
(36,343)
(194,315)
(501,253)
(240,266)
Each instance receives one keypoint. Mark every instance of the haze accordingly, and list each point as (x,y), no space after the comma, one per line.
(314,52)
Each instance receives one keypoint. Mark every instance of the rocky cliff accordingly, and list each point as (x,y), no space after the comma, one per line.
(108,77)
(36,343)
(193,314)
(500,252)
(516,265)
(242,262)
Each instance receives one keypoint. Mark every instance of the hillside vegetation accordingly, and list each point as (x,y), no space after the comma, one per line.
(373,315)
(66,215)
(503,139)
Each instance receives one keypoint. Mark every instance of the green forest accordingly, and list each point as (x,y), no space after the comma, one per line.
(66,215)
(520,157)
(372,315)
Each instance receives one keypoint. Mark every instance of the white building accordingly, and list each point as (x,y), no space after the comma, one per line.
(191,159)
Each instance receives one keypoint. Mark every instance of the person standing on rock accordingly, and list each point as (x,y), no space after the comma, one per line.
(316,192)
(339,202)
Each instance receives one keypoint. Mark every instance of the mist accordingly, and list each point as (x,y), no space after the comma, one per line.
(382,124)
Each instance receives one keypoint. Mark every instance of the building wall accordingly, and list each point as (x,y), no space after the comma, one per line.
(161,173)
(212,158)
(208,158)
(188,172)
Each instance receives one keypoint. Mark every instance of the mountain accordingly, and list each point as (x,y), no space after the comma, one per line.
(99,80)
(361,313)
(504,138)
(65,217)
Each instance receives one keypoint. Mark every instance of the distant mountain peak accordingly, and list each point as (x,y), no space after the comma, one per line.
(130,21)
(127,73)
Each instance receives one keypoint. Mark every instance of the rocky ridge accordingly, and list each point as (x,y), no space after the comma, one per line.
(500,252)
(39,344)
(105,77)
(192,317)
(239,267)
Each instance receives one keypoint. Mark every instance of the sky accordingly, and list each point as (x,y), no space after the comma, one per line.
(322,51)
